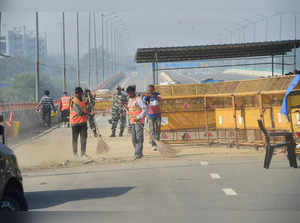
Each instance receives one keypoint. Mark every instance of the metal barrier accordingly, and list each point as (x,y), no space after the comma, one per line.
(103,106)
(225,112)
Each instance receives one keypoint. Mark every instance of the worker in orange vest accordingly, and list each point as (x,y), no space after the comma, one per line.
(78,119)
(64,107)
(137,111)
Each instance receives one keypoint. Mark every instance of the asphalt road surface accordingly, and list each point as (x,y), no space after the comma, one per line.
(235,190)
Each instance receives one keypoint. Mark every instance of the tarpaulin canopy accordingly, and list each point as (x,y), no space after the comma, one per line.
(207,52)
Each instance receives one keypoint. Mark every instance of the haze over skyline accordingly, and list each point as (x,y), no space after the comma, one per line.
(157,23)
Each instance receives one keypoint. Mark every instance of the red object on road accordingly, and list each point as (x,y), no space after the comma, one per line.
(11,116)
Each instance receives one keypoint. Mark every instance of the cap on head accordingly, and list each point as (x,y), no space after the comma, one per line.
(78,90)
(65,93)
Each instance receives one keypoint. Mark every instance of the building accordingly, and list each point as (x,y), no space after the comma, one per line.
(3,45)
(22,44)
(15,43)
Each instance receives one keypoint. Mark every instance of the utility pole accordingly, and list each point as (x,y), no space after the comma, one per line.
(267,27)
(64,53)
(0,22)
(254,32)
(103,59)
(89,53)
(112,47)
(78,53)
(280,26)
(96,51)
(119,51)
(295,50)
(107,44)
(37,59)
(115,51)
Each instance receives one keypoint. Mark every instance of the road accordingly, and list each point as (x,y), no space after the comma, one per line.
(187,190)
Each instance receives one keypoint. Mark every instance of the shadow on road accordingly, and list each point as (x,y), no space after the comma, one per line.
(46,199)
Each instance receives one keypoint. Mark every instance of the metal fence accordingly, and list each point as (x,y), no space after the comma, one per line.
(225,113)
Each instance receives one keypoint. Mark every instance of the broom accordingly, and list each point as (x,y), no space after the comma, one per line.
(102,147)
(165,150)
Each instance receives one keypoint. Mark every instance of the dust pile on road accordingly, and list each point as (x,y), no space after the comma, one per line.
(54,150)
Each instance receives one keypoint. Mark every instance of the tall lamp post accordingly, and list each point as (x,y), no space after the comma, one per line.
(37,60)
(78,53)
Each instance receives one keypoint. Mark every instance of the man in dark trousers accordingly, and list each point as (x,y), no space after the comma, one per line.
(152,99)
(47,105)
(137,110)
(78,121)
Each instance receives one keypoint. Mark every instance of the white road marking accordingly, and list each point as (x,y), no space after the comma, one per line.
(229,192)
(203,163)
(215,176)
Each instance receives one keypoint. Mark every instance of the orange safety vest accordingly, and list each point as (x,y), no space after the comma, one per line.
(74,117)
(65,103)
(134,110)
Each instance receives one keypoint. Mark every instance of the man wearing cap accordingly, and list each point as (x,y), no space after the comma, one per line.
(78,120)
(137,111)
(118,112)
(64,107)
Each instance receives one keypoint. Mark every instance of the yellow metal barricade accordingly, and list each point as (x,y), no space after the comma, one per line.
(227,110)
(103,106)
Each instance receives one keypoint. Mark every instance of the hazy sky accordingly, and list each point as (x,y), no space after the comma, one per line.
(157,22)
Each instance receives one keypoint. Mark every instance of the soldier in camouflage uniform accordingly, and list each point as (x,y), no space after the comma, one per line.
(90,104)
(118,112)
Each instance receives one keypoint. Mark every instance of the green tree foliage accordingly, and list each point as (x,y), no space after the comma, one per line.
(21,88)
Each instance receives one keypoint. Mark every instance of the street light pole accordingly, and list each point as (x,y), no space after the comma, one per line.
(89,51)
(37,60)
(295,50)
(112,47)
(103,59)
(78,53)
(117,51)
(280,27)
(96,51)
(267,27)
(0,22)
(64,53)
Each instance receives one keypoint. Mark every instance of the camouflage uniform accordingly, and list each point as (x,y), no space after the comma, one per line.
(128,123)
(90,104)
(119,113)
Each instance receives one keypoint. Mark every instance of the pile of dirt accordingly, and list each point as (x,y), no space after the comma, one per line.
(54,150)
